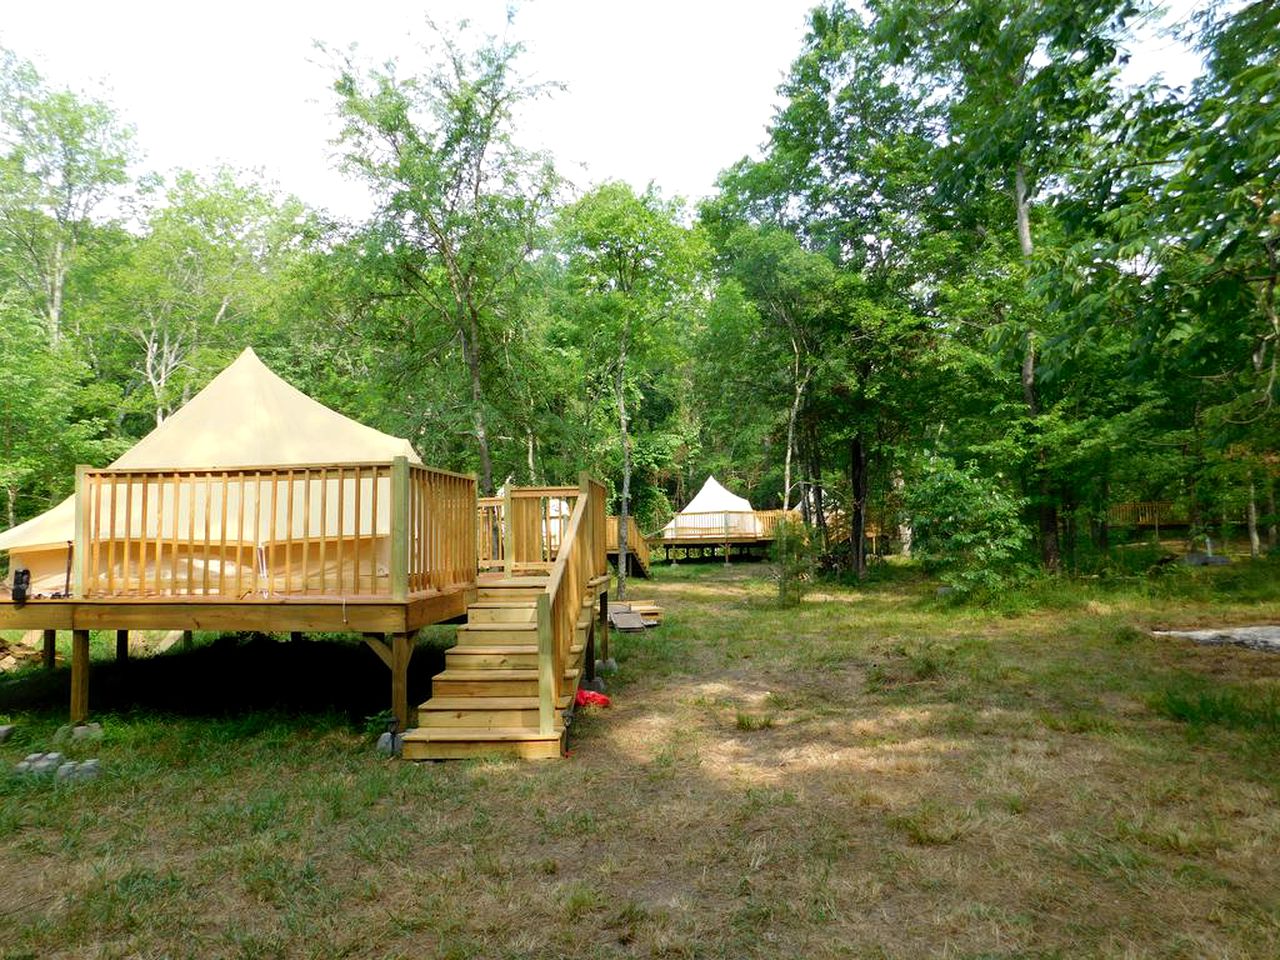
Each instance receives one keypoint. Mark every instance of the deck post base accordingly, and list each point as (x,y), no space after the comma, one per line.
(79,676)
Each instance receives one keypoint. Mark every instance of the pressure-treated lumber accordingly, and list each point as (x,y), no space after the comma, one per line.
(79,676)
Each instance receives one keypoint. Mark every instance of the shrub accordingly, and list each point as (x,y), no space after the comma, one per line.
(966,526)
(793,557)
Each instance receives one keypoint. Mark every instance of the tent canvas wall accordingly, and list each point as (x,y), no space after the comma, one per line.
(246,417)
(713,512)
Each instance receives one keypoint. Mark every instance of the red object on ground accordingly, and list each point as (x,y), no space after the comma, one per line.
(591,698)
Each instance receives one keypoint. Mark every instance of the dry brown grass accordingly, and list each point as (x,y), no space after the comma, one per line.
(869,776)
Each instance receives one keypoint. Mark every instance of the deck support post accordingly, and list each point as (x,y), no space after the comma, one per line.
(295,636)
(188,640)
(546,667)
(401,652)
(604,624)
(122,646)
(79,676)
(50,648)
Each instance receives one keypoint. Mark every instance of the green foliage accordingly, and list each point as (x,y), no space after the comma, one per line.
(794,560)
(966,525)
(1256,711)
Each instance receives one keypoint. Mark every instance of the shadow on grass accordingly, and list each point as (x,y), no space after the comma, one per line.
(233,676)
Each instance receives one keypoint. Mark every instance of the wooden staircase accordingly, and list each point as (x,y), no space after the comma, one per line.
(486,701)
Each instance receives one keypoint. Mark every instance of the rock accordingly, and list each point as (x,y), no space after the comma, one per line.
(62,734)
(46,765)
(608,666)
(1261,637)
(6,731)
(1204,560)
(89,770)
(596,684)
(86,733)
(390,744)
(66,771)
(944,591)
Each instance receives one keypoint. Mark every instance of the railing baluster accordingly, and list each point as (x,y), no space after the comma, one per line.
(324,527)
(222,538)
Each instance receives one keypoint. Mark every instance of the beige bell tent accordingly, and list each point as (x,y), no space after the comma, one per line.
(713,513)
(246,417)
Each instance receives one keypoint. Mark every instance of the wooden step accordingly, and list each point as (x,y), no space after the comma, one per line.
(492,683)
(486,712)
(498,656)
(494,629)
(491,703)
(513,612)
(461,742)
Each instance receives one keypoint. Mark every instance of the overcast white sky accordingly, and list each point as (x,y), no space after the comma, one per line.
(663,90)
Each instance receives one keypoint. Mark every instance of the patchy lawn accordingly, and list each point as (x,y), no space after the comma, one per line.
(876,774)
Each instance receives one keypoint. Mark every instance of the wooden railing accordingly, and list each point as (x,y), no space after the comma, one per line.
(725,525)
(580,559)
(637,543)
(490,537)
(441,541)
(1147,513)
(256,533)
(521,531)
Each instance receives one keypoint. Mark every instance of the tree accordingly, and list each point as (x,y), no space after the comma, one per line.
(62,157)
(460,203)
(634,273)
(1026,82)
(197,285)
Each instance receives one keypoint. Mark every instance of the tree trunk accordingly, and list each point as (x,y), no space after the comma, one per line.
(815,485)
(1255,542)
(470,352)
(624,511)
(1102,538)
(1273,524)
(57,283)
(858,515)
(905,533)
(1050,554)
(798,382)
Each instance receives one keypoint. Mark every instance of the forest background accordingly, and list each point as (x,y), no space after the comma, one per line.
(975,290)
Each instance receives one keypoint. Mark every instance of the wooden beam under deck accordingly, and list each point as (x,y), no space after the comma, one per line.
(378,615)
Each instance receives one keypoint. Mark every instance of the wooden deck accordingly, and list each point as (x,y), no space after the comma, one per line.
(379,549)
(720,532)
(374,549)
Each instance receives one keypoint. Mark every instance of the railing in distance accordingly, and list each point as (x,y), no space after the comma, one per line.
(637,542)
(723,525)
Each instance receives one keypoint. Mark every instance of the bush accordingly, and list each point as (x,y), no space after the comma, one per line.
(793,557)
(966,526)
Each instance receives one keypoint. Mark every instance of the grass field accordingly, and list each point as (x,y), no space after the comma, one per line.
(878,774)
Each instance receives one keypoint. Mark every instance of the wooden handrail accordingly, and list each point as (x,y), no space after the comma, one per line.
(580,558)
